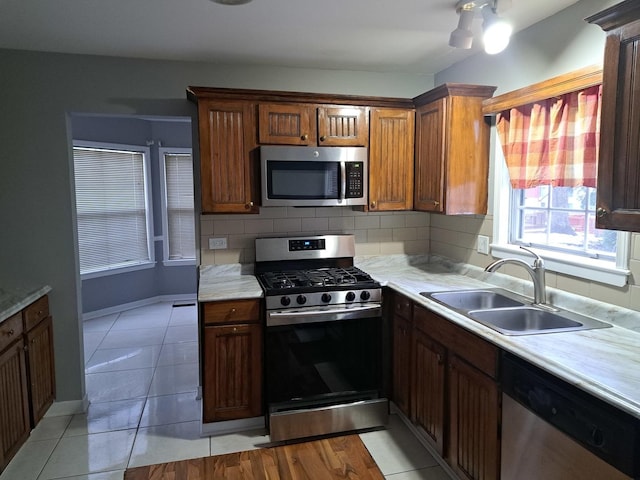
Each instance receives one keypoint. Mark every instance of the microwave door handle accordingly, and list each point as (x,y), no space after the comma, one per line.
(343,181)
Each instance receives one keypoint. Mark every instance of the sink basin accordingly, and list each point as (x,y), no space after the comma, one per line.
(510,313)
(474,299)
(516,320)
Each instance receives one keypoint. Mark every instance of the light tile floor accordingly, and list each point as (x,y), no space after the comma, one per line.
(141,380)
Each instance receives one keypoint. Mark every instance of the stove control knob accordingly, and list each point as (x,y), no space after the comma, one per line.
(284,301)
(326,298)
(301,299)
(365,295)
(351,297)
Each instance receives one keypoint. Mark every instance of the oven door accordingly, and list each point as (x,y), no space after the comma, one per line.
(319,356)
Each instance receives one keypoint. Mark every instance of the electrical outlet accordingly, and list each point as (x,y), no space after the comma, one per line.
(483,244)
(217,243)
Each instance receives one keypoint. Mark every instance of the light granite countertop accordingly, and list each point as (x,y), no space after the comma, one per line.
(12,300)
(604,362)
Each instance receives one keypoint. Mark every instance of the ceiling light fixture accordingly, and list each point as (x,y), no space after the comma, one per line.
(231,2)
(496,32)
(462,37)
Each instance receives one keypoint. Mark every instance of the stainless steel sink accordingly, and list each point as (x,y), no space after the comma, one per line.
(510,313)
(475,299)
(516,320)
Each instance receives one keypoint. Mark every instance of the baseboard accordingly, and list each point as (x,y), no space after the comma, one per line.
(186,297)
(231,426)
(69,407)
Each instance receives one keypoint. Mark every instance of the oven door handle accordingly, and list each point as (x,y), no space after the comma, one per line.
(315,315)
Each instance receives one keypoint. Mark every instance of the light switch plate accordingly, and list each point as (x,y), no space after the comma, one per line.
(217,243)
(483,244)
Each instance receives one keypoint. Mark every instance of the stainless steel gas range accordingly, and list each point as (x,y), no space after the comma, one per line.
(324,338)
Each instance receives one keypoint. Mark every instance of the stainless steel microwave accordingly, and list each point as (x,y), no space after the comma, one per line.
(313,176)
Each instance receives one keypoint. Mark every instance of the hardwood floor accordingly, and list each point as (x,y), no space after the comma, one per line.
(330,458)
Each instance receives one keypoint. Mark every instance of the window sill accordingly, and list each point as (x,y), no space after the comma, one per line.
(584,268)
(179,263)
(117,271)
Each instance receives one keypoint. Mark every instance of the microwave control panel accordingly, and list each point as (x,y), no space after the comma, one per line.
(354,172)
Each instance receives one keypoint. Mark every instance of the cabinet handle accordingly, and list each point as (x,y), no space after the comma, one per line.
(304,137)
(439,357)
(373,204)
(322,138)
(601,212)
(436,203)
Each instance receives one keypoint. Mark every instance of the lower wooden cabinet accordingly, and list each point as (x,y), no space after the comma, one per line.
(474,415)
(401,352)
(41,368)
(14,401)
(428,392)
(231,360)
(454,395)
(27,375)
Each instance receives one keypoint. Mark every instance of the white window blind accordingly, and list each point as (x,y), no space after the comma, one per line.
(111,204)
(179,219)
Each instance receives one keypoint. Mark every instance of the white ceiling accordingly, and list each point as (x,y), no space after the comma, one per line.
(371,35)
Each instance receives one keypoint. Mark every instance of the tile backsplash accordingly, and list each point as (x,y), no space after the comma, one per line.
(375,232)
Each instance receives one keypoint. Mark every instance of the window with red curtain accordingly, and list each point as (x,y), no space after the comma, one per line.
(553,142)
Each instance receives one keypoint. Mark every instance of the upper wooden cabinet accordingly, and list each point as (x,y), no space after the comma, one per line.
(391,159)
(618,188)
(305,124)
(452,150)
(228,165)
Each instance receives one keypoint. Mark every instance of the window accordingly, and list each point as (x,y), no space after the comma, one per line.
(545,177)
(560,219)
(540,218)
(177,205)
(112,208)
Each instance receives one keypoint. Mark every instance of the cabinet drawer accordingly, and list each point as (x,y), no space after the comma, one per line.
(35,313)
(10,330)
(402,306)
(478,352)
(229,312)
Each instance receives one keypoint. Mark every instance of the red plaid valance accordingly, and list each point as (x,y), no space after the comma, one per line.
(553,142)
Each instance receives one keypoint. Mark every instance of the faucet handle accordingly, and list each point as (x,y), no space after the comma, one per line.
(538,262)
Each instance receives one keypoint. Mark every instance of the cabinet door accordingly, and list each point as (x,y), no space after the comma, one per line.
(286,124)
(401,370)
(430,156)
(391,159)
(474,410)
(232,374)
(428,388)
(343,126)
(618,189)
(41,368)
(14,402)
(228,163)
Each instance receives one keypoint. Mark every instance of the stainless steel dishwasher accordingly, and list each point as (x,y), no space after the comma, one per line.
(552,430)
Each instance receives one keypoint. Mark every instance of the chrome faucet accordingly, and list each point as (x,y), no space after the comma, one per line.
(536,271)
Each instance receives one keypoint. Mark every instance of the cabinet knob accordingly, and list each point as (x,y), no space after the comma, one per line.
(440,359)
(233,310)
(304,137)
(322,138)
(373,204)
(248,205)
(9,333)
(436,203)
(235,329)
(601,212)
